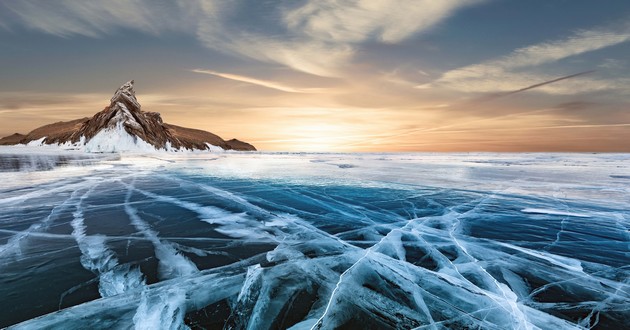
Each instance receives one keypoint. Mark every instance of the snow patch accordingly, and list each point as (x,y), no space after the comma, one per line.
(115,140)
(213,148)
(36,143)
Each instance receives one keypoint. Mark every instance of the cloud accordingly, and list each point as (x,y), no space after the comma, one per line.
(96,18)
(317,58)
(352,21)
(546,52)
(581,126)
(317,37)
(323,34)
(521,67)
(613,64)
(575,105)
(259,82)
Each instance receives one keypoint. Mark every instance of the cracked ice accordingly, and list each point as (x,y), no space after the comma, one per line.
(295,241)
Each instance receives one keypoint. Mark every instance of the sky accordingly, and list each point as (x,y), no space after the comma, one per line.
(332,75)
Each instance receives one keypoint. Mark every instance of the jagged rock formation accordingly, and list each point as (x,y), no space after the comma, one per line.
(121,124)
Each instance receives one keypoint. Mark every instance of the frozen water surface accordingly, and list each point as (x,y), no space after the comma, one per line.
(314,241)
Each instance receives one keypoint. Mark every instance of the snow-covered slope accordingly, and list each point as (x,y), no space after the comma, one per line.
(116,139)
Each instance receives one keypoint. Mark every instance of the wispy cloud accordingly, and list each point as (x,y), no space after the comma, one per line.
(353,21)
(546,52)
(521,67)
(260,82)
(313,57)
(96,18)
(320,37)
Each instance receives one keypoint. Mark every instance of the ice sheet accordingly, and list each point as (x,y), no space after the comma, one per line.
(318,241)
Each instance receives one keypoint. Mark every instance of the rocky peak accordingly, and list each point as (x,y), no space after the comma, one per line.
(124,109)
(124,114)
(125,95)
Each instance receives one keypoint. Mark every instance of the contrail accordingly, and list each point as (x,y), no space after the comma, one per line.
(549,82)
(498,95)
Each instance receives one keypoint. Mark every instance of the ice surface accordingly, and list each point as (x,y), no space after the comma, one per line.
(98,258)
(317,241)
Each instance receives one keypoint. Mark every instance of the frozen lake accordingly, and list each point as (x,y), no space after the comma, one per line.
(314,241)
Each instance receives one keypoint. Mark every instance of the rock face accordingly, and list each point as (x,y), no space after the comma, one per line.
(123,125)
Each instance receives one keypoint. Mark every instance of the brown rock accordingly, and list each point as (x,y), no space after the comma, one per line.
(235,144)
(12,139)
(58,132)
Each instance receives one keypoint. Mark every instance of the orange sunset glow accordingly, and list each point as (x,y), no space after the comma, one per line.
(408,80)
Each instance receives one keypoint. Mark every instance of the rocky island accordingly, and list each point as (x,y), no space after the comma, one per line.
(123,126)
